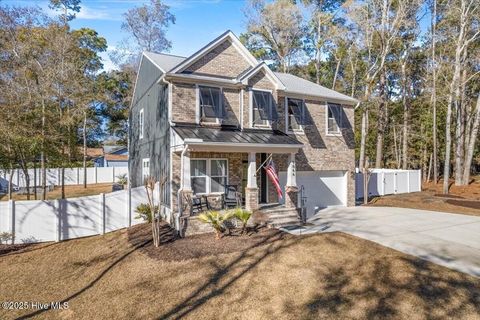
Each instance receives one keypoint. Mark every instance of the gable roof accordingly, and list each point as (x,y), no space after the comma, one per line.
(270,74)
(165,62)
(220,39)
(297,85)
(172,64)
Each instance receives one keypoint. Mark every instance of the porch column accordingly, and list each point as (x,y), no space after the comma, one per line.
(187,184)
(186,192)
(291,189)
(291,174)
(251,191)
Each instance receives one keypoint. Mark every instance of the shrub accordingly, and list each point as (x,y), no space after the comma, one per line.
(122,179)
(243,216)
(216,220)
(143,212)
(5,237)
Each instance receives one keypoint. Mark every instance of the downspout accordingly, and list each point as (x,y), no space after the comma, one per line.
(180,191)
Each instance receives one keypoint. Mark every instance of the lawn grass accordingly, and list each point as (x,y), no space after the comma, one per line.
(70,192)
(266,276)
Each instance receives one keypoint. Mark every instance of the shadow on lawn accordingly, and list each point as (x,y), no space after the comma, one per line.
(137,245)
(216,286)
(140,239)
(383,290)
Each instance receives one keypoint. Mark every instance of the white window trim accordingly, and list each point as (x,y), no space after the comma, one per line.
(302,127)
(209,176)
(198,116)
(268,126)
(141,119)
(145,160)
(332,134)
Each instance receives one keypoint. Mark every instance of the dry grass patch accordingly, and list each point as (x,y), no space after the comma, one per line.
(461,199)
(264,276)
(70,192)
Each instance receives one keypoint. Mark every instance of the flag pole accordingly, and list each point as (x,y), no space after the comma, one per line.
(260,167)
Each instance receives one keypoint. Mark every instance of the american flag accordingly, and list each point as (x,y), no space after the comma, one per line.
(272,174)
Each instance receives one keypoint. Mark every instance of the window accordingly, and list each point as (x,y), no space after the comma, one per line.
(218,172)
(211,104)
(295,114)
(334,118)
(141,124)
(198,173)
(263,108)
(208,175)
(145,168)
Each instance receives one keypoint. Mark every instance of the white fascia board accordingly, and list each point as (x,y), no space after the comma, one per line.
(278,83)
(300,95)
(206,79)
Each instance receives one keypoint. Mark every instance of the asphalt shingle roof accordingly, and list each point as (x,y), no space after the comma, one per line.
(293,84)
(165,61)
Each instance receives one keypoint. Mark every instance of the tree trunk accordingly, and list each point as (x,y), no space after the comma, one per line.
(361,162)
(336,73)
(10,184)
(63,181)
(453,91)
(434,92)
(381,121)
(34,180)
(405,116)
(471,144)
(395,146)
(429,168)
(85,150)
(42,156)
(460,127)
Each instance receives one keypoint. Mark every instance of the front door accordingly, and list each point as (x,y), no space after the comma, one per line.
(244,178)
(263,182)
(263,179)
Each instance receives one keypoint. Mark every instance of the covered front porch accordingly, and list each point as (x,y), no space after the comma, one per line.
(210,161)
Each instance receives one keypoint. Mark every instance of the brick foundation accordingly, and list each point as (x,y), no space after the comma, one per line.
(291,197)
(251,199)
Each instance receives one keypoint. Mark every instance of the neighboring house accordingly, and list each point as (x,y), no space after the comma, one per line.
(212,118)
(113,156)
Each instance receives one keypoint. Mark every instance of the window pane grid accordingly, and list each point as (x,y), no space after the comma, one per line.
(334,118)
(208,175)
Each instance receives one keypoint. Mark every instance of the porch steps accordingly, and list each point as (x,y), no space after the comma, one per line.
(278,216)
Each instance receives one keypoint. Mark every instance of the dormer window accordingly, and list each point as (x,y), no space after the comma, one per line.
(263,108)
(211,107)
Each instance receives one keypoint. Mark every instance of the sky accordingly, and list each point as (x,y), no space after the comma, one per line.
(197,21)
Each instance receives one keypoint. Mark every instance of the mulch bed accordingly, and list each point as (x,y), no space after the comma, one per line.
(173,248)
(7,248)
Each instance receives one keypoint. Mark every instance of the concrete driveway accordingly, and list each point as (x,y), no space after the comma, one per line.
(448,239)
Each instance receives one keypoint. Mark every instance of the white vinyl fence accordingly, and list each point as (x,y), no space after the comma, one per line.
(389,181)
(73,176)
(55,220)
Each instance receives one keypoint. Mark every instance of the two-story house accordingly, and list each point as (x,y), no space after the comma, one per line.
(211,119)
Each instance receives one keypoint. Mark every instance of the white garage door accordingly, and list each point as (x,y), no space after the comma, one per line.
(322,188)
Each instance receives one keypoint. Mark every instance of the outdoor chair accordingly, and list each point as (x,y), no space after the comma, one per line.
(231,197)
(199,204)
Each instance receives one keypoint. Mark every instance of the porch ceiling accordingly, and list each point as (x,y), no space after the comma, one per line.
(232,139)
